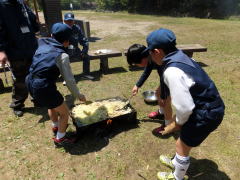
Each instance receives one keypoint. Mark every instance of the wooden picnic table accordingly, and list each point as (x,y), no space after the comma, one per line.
(189,49)
(103,56)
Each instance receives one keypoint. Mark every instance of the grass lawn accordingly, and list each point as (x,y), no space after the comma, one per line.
(129,153)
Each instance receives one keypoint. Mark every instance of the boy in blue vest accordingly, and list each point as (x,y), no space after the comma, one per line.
(139,56)
(50,60)
(199,107)
(78,37)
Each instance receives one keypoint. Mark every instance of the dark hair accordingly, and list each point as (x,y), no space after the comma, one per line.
(135,54)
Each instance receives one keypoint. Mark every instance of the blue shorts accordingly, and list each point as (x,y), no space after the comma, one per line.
(44,93)
(200,124)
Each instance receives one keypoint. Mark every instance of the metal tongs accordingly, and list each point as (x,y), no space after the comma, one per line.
(127,104)
(10,69)
(5,74)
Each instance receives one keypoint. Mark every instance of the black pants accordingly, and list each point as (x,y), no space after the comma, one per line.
(20,69)
(76,53)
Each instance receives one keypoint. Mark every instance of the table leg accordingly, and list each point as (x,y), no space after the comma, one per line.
(104,64)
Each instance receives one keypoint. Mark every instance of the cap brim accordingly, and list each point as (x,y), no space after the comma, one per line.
(69,19)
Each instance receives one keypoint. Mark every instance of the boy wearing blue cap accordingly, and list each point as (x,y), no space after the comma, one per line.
(78,37)
(199,107)
(139,56)
(50,60)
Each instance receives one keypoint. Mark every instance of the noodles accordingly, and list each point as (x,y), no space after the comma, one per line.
(98,111)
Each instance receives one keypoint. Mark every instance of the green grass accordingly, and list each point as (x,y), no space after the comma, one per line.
(26,148)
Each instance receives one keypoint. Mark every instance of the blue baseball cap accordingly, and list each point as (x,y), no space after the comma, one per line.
(61,32)
(68,17)
(161,38)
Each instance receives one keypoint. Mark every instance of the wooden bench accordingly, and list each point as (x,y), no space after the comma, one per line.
(103,56)
(189,49)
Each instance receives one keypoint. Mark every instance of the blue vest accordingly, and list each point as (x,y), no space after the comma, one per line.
(204,93)
(44,61)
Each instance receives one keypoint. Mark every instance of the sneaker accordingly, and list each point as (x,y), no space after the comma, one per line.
(87,76)
(64,83)
(64,141)
(18,112)
(168,176)
(156,115)
(167,161)
(54,130)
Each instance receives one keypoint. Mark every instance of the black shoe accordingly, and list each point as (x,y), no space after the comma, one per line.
(18,112)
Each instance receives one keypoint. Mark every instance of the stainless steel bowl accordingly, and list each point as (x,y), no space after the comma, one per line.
(150,96)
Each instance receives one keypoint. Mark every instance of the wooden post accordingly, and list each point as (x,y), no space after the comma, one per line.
(52,12)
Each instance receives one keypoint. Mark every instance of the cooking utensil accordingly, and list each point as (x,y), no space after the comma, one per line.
(5,74)
(10,69)
(126,104)
(150,96)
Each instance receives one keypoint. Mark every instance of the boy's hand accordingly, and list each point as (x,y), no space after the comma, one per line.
(172,127)
(82,98)
(135,90)
(3,58)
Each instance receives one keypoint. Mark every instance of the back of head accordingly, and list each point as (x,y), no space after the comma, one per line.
(61,32)
(162,39)
(135,54)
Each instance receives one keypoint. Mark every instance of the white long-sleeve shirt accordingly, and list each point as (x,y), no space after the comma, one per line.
(63,64)
(179,84)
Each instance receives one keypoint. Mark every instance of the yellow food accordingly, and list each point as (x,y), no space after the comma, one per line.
(98,111)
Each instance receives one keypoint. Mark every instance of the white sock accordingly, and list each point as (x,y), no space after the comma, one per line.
(181,165)
(167,122)
(55,124)
(160,110)
(60,135)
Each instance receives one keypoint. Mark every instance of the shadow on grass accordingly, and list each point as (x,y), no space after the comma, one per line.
(94,39)
(98,74)
(95,138)
(6,90)
(38,111)
(202,64)
(155,131)
(205,169)
(135,68)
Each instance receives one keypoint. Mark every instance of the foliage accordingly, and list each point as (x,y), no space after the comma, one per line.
(195,8)
(114,5)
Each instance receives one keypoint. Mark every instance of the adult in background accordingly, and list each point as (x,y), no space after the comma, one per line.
(74,50)
(17,45)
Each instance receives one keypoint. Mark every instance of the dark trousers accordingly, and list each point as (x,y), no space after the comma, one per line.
(20,69)
(76,53)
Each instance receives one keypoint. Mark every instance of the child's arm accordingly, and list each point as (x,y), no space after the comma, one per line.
(179,84)
(65,69)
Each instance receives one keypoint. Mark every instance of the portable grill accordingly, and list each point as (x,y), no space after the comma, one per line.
(129,117)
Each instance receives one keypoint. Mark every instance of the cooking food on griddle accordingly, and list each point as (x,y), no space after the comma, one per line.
(100,110)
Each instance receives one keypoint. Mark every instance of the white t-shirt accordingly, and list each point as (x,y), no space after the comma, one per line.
(179,84)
